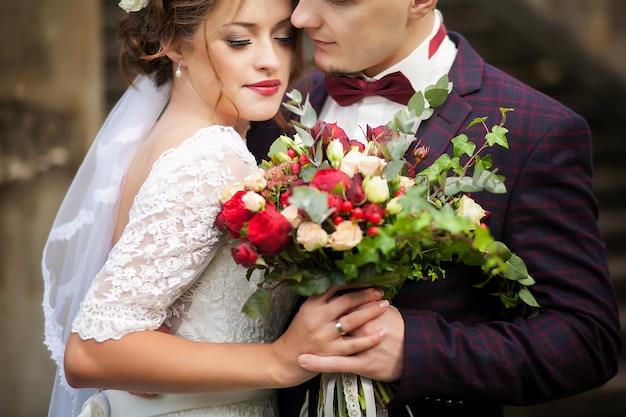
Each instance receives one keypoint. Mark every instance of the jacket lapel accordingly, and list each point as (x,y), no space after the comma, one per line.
(451,118)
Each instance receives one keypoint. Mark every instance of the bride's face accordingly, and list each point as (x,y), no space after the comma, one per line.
(251,55)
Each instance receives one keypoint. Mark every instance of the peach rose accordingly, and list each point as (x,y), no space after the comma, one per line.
(346,236)
(312,236)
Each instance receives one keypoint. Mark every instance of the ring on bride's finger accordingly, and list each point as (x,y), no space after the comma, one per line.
(339,328)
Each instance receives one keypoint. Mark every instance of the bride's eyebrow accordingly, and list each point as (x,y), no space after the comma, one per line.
(285,21)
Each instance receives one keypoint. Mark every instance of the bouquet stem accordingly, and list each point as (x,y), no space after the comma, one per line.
(351,395)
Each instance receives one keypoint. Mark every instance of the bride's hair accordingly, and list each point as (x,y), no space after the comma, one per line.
(146,36)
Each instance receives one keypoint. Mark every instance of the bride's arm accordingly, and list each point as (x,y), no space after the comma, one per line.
(152,361)
(168,241)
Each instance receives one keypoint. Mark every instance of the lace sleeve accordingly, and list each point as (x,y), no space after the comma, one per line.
(170,237)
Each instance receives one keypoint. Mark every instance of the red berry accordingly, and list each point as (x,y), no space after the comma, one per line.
(373,230)
(304,159)
(337,220)
(291,153)
(347,206)
(357,213)
(375,218)
(295,167)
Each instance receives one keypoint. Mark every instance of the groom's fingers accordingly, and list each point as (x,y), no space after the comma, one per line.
(314,363)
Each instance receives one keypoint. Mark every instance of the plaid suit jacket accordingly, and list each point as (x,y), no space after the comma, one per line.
(460,355)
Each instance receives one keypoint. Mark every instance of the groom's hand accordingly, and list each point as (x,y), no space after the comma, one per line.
(383,362)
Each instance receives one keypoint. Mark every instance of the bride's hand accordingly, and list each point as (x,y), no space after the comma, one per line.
(317,326)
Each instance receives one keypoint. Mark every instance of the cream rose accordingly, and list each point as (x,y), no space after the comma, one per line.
(228,193)
(393,206)
(292,215)
(312,236)
(406,182)
(256,181)
(132,5)
(371,165)
(346,236)
(470,209)
(253,201)
(350,163)
(334,151)
(376,189)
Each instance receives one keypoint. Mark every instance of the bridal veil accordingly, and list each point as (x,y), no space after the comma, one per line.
(81,234)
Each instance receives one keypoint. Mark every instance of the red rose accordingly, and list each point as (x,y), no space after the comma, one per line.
(327,132)
(269,231)
(335,202)
(244,254)
(329,179)
(234,215)
(380,134)
(356,194)
(359,145)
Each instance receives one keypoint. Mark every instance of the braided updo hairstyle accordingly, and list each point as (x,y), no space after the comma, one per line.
(147,35)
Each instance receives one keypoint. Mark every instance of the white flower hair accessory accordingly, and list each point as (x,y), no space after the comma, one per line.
(132,5)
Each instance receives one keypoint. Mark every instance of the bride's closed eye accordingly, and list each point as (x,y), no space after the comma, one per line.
(238,43)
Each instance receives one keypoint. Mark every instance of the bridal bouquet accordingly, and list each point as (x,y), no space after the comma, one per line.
(327,210)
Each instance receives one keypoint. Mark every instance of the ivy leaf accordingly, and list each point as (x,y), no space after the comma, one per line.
(463,146)
(497,136)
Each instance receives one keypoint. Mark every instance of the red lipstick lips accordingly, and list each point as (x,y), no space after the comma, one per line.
(265,88)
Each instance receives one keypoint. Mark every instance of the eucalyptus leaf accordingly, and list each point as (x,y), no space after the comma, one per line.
(309,116)
(313,201)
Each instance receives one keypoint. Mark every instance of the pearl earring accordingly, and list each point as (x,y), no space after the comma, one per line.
(179,72)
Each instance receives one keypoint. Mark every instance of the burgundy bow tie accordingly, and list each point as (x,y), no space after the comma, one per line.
(345,91)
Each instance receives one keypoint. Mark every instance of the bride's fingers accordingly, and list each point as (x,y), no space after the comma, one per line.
(340,305)
(361,315)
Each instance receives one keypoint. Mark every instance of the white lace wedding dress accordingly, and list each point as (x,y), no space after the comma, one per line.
(173,266)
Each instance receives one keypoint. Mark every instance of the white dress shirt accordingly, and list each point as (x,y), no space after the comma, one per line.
(421,71)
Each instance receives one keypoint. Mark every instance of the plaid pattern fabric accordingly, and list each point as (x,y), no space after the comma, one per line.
(460,355)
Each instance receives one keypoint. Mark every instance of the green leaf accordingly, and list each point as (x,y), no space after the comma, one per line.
(416,103)
(304,135)
(497,136)
(258,304)
(436,96)
(526,296)
(463,146)
(309,116)
(313,283)
(314,202)
(478,120)
(455,185)
(393,169)
(295,96)
(516,269)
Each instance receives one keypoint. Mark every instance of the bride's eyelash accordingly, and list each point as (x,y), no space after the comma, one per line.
(238,43)
(287,40)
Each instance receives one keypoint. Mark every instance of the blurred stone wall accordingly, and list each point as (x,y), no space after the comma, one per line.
(50,107)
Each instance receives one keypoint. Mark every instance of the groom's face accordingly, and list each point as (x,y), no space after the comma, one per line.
(356,35)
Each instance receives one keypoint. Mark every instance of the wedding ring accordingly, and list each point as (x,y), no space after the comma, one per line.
(339,328)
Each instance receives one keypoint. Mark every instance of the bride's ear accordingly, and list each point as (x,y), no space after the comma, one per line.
(176,56)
